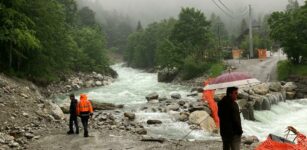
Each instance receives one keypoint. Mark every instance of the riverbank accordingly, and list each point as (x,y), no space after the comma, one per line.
(29,120)
(105,139)
(170,111)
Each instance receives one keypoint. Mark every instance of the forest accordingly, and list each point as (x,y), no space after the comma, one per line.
(43,39)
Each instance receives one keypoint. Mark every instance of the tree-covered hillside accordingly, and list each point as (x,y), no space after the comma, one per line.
(44,39)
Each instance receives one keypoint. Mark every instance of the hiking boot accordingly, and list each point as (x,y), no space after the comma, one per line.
(77,132)
(70,132)
(86,135)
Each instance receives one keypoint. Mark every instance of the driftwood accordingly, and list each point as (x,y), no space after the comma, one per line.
(152,139)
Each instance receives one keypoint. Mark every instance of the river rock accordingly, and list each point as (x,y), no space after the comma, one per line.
(163,98)
(175,96)
(141,131)
(13,144)
(249,140)
(183,116)
(151,96)
(129,115)
(154,122)
(275,86)
(174,107)
(89,83)
(261,89)
(29,135)
(290,95)
(167,74)
(98,83)
(290,86)
(181,103)
(56,111)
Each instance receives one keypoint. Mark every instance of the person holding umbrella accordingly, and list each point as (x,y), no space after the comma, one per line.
(230,121)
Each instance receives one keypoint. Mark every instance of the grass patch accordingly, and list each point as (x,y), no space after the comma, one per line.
(216,69)
(285,69)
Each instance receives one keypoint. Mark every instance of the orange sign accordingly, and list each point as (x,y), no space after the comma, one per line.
(262,54)
(236,53)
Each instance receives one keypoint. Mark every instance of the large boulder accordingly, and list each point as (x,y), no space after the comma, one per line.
(261,89)
(290,86)
(275,86)
(203,119)
(65,106)
(55,111)
(167,74)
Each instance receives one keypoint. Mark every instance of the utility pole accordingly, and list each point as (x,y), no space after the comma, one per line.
(219,48)
(251,53)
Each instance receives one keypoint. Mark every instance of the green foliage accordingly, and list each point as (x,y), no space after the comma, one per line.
(192,33)
(41,45)
(167,56)
(86,17)
(216,69)
(285,68)
(289,29)
(186,44)
(143,45)
(192,68)
(17,37)
(91,42)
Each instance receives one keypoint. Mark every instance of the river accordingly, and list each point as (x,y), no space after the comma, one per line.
(132,85)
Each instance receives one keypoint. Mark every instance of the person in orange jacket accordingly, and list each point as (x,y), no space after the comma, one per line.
(85,111)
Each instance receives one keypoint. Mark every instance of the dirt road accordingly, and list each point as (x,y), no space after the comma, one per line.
(262,70)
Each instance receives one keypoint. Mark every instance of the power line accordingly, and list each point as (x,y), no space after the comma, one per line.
(222,9)
(225,6)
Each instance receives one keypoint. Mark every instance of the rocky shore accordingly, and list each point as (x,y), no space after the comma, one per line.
(29,120)
(25,115)
(76,82)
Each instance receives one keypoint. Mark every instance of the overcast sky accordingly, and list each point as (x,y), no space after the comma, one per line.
(154,10)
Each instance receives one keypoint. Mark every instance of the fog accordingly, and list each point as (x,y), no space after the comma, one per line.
(148,11)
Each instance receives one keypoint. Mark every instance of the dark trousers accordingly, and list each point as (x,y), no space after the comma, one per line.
(232,143)
(73,120)
(84,120)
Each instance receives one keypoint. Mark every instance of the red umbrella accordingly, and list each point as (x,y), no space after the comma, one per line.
(231,79)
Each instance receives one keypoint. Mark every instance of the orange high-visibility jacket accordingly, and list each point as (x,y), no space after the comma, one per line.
(84,105)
